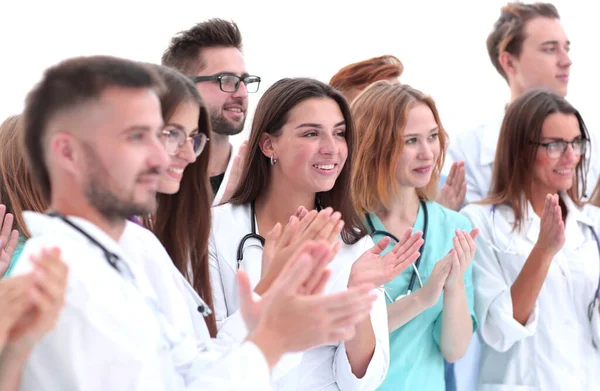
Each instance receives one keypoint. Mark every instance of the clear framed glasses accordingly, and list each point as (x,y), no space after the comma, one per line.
(175,139)
(555,149)
(229,82)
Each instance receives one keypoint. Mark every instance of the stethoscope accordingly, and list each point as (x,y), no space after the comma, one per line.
(254,235)
(415,274)
(123,268)
(593,304)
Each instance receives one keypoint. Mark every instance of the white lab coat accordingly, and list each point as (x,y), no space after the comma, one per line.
(325,368)
(477,148)
(554,350)
(111,334)
(221,191)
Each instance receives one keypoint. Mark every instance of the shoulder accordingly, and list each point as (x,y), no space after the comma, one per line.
(477,213)
(225,213)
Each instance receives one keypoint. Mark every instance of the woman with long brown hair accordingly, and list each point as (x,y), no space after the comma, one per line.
(536,271)
(300,154)
(17,193)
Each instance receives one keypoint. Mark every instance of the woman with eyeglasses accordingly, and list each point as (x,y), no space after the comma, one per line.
(537,267)
(395,179)
(299,155)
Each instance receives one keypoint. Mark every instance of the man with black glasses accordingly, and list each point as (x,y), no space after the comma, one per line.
(211,54)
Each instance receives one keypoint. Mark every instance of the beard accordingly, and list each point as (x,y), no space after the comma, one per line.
(112,204)
(221,125)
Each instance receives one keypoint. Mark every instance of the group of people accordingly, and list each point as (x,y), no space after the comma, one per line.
(328,252)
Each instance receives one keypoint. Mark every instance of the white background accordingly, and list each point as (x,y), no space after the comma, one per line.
(441,43)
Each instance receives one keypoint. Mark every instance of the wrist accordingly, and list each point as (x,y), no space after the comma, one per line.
(458,287)
(420,299)
(543,253)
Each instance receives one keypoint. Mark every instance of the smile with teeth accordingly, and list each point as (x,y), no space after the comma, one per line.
(176,170)
(566,171)
(233,109)
(325,166)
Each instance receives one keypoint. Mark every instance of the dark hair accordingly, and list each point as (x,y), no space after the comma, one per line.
(272,113)
(182,220)
(509,30)
(359,75)
(185,50)
(18,191)
(512,175)
(69,85)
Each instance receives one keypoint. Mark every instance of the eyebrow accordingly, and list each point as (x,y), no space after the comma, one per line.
(140,128)
(554,42)
(243,75)
(318,126)
(436,129)
(181,127)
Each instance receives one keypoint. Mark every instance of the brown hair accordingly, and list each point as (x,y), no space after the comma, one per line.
(69,85)
(512,175)
(380,114)
(272,113)
(17,188)
(185,50)
(182,220)
(359,75)
(508,33)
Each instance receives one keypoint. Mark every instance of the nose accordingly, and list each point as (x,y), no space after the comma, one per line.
(186,152)
(425,152)
(564,61)
(242,91)
(570,155)
(328,145)
(159,158)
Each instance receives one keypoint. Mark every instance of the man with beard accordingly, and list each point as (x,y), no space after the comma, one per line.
(210,53)
(94,138)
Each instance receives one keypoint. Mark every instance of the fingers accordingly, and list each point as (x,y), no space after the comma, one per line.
(451,174)
(6,226)
(321,253)
(289,232)
(344,300)
(474,233)
(342,334)
(411,245)
(380,246)
(461,247)
(307,220)
(335,233)
(301,212)
(322,225)
(296,271)
(320,287)
(406,235)
(405,263)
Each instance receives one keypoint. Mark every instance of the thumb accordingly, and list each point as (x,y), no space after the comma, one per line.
(246,299)
(380,246)
(474,233)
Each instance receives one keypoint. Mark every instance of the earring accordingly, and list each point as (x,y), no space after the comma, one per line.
(273,160)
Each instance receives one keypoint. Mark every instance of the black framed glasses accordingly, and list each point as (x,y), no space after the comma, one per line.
(555,149)
(175,139)
(228,82)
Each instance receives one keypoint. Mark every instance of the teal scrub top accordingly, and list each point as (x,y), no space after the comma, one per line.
(16,255)
(416,362)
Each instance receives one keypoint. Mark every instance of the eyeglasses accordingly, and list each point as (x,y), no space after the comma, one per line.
(175,139)
(228,82)
(556,149)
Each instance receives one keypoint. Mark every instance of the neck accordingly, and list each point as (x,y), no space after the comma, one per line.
(405,206)
(74,206)
(220,152)
(278,203)
(538,199)
(515,93)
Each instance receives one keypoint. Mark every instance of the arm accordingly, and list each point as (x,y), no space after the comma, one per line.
(526,288)
(457,326)
(11,365)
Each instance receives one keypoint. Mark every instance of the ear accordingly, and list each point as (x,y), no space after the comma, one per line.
(66,152)
(267,145)
(508,62)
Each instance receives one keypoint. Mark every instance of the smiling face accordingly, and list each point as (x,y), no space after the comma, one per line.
(311,148)
(227,110)
(554,174)
(185,118)
(421,148)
